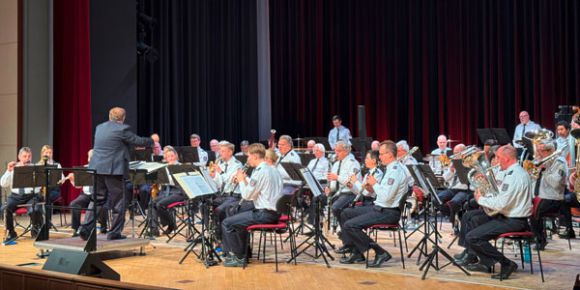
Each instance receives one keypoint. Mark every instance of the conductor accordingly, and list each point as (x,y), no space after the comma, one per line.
(111,161)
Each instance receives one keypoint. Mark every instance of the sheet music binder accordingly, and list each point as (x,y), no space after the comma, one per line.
(461,170)
(35,176)
(193,184)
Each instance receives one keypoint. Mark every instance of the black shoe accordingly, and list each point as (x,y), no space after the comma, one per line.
(114,236)
(75,234)
(84,234)
(353,258)
(461,255)
(540,245)
(10,237)
(343,250)
(467,260)
(570,234)
(308,233)
(154,232)
(380,259)
(103,231)
(506,271)
(169,230)
(478,268)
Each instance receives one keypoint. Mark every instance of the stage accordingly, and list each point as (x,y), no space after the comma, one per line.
(103,245)
(160,267)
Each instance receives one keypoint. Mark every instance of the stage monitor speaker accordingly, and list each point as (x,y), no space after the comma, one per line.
(362,122)
(79,263)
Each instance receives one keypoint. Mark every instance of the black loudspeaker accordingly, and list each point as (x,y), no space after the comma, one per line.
(362,122)
(79,263)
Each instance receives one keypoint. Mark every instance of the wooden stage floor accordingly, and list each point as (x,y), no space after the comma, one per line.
(160,267)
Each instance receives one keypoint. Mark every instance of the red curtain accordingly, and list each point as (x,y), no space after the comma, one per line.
(72,86)
(422,67)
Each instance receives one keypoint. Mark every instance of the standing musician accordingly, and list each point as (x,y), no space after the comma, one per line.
(439,155)
(514,204)
(83,201)
(20,196)
(343,168)
(264,188)
(224,175)
(457,193)
(194,141)
(338,132)
(169,194)
(525,125)
(390,190)
(548,188)
(287,155)
(111,161)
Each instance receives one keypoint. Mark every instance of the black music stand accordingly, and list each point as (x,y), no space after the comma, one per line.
(318,240)
(141,154)
(211,156)
(187,154)
(432,260)
(293,170)
(196,186)
(305,158)
(500,135)
(418,155)
(242,158)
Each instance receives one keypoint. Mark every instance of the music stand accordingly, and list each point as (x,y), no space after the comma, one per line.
(187,154)
(141,154)
(305,158)
(86,177)
(195,185)
(211,156)
(242,158)
(320,241)
(461,171)
(433,257)
(500,135)
(418,155)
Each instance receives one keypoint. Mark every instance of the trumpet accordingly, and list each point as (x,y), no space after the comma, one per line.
(534,168)
(232,185)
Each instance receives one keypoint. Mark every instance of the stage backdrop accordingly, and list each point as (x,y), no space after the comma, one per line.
(422,68)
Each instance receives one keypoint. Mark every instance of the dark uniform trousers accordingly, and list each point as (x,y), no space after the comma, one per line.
(453,200)
(84,201)
(544,206)
(110,194)
(12,203)
(221,205)
(234,227)
(160,210)
(356,219)
(342,201)
(469,221)
(569,201)
(477,240)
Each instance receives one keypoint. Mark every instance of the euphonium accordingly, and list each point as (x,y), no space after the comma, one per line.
(481,175)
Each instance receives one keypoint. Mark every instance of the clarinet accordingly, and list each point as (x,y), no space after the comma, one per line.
(363,188)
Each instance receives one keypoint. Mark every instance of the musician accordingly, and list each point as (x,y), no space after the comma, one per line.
(111,161)
(243,148)
(319,166)
(343,168)
(524,126)
(264,188)
(46,152)
(390,190)
(287,155)
(457,193)
(310,145)
(514,204)
(487,147)
(214,146)
(225,171)
(338,133)
(194,141)
(565,139)
(83,201)
(548,188)
(570,201)
(157,149)
(20,196)
(168,194)
(361,188)
(415,193)
(405,158)
(437,153)
(271,157)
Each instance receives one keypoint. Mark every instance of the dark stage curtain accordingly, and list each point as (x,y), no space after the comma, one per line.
(72,86)
(422,67)
(205,78)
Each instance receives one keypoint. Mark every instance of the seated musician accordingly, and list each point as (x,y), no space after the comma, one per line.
(264,188)
(437,160)
(415,193)
(46,152)
(310,146)
(243,148)
(548,189)
(169,194)
(513,204)
(20,196)
(390,190)
(343,168)
(223,175)
(487,147)
(571,200)
(375,145)
(319,166)
(287,155)
(214,146)
(83,201)
(194,141)
(271,157)
(453,198)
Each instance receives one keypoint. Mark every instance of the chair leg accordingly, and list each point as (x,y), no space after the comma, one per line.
(530,251)
(540,263)
(401,248)
(264,246)
(246,252)
(276,250)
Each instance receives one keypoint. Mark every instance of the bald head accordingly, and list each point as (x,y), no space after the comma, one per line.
(442,142)
(458,148)
(117,114)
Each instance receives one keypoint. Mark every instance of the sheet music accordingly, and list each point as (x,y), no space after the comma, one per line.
(208,179)
(312,182)
(148,166)
(193,184)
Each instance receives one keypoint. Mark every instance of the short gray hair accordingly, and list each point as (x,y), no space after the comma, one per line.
(287,138)
(320,147)
(343,145)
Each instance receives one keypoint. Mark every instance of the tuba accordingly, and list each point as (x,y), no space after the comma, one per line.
(481,174)
(576,134)
(272,139)
(536,137)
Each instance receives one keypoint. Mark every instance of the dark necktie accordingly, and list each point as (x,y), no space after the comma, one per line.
(315,163)
(538,183)
(523,130)
(225,169)
(339,165)
(337,133)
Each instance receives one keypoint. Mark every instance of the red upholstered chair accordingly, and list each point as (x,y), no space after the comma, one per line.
(520,237)
(283,207)
(179,211)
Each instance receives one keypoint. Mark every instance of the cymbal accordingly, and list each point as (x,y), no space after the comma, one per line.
(453,141)
(298,139)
